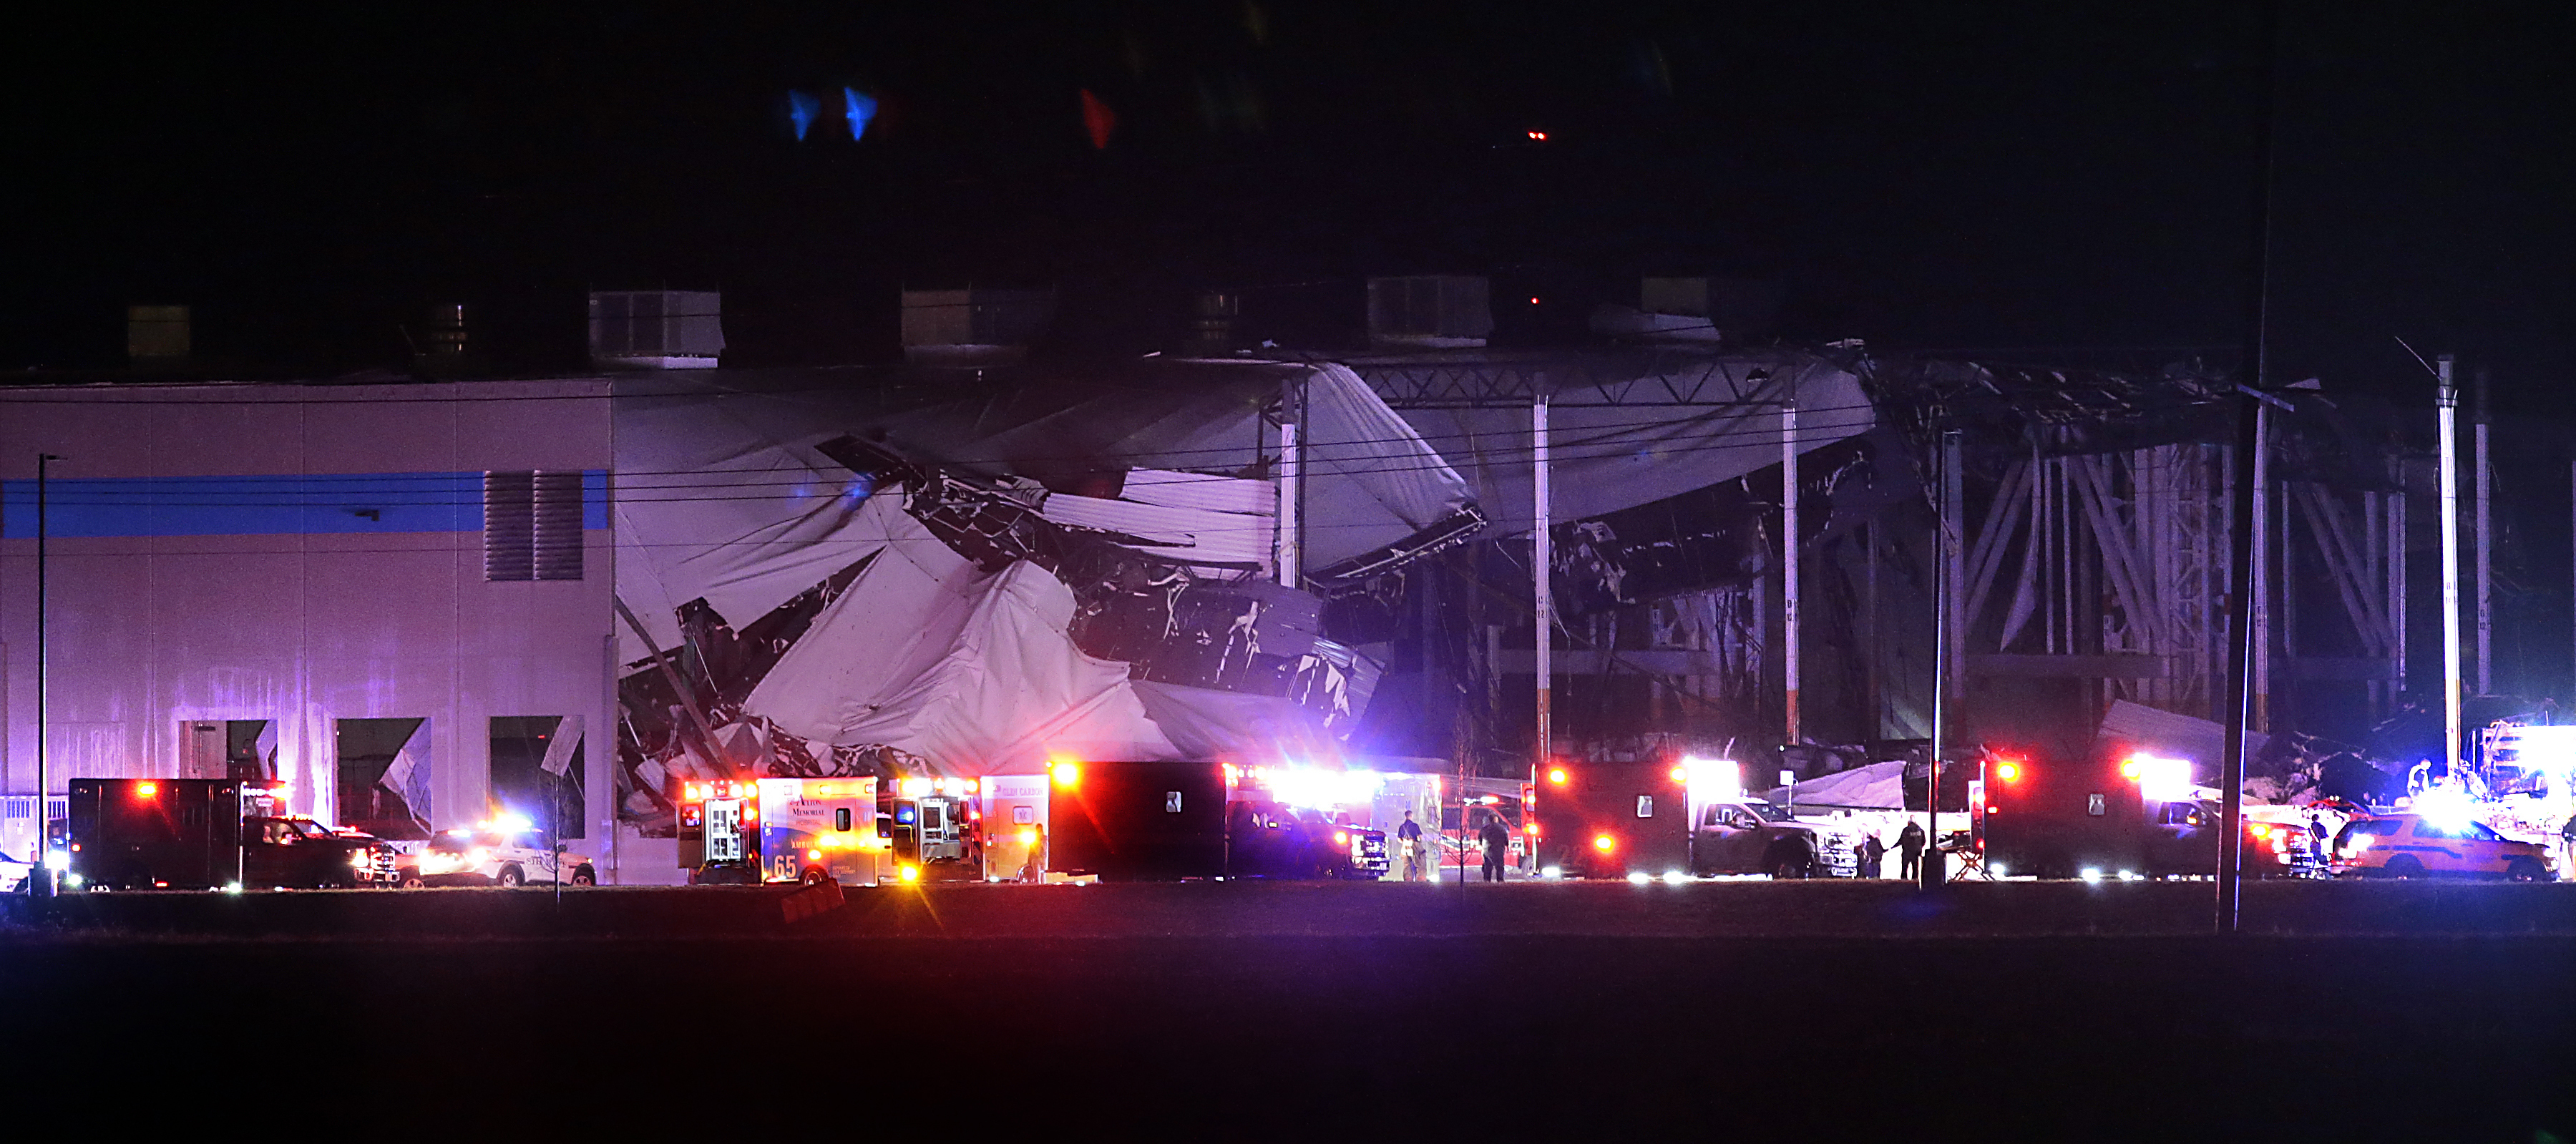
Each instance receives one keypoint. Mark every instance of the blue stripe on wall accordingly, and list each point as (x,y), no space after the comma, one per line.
(265,505)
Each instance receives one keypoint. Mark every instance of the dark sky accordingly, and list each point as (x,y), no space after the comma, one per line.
(1929,175)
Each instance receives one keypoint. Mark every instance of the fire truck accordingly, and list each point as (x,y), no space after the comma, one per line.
(2064,818)
(1670,820)
(1606,820)
(1166,821)
(1136,821)
(144,834)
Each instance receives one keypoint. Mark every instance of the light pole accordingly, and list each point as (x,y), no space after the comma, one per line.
(43,887)
(2447,399)
(1933,871)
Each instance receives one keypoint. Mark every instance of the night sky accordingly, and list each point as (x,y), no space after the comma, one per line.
(1933,175)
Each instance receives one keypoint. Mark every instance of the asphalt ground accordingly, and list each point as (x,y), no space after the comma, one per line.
(1833,1011)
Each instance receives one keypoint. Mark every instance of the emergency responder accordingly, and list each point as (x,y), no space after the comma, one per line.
(2567,842)
(1498,846)
(1409,837)
(1909,849)
(1033,871)
(1873,857)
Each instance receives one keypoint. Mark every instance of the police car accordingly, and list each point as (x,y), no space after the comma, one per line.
(506,852)
(2411,845)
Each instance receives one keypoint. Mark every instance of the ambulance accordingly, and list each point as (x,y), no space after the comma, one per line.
(810,830)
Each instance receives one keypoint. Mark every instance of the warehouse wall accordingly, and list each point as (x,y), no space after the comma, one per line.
(341,577)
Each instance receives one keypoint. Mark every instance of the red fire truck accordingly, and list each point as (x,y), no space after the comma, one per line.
(1610,820)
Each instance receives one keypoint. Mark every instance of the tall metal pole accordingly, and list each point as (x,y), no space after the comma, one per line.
(2242,652)
(1542,588)
(1789,560)
(2259,596)
(40,881)
(1945,625)
(2486,599)
(2248,452)
(2446,399)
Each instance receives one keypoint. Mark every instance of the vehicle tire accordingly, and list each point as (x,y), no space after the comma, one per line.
(2404,866)
(583,875)
(511,876)
(813,876)
(2525,870)
(413,881)
(1782,864)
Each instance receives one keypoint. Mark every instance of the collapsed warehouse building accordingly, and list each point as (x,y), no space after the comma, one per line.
(964,566)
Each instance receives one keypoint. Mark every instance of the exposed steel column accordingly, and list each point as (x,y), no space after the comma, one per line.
(1542,591)
(1789,560)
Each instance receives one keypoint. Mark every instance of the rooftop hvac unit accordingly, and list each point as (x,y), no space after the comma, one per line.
(1744,308)
(1694,310)
(973,326)
(156,335)
(656,329)
(1682,296)
(1434,311)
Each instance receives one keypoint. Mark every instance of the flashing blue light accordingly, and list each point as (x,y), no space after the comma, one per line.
(802,109)
(904,815)
(858,107)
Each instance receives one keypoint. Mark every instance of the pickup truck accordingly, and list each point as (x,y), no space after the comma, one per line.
(1750,836)
(300,852)
(1272,840)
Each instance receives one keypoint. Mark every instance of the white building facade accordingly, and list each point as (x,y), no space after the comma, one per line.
(395,598)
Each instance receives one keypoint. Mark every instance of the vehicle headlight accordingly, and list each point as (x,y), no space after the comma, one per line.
(2361,842)
(478,856)
(359,859)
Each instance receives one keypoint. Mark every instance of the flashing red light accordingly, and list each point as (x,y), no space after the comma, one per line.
(1604,843)
(2130,769)
(1066,775)
(146,789)
(1537,137)
(1341,838)
(1556,775)
(1680,774)
(2008,770)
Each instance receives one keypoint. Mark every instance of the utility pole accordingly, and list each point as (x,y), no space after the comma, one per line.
(2249,449)
(2241,651)
(40,881)
(2446,398)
